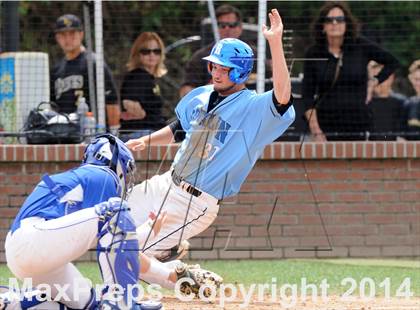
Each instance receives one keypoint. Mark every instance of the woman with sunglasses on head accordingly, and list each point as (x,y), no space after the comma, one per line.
(140,94)
(335,76)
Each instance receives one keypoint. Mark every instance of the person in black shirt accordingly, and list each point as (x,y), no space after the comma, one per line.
(413,103)
(69,77)
(388,114)
(140,94)
(335,76)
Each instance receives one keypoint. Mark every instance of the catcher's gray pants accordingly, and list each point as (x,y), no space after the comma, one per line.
(160,193)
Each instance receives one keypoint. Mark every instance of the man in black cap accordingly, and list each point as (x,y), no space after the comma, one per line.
(69,77)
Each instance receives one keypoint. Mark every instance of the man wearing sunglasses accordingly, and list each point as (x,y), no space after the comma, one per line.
(229,24)
(69,77)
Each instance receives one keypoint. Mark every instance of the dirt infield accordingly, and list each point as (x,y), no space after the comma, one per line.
(334,303)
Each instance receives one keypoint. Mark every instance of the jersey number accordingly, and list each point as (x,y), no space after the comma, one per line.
(209,151)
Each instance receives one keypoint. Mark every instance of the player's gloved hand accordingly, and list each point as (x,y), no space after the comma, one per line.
(108,208)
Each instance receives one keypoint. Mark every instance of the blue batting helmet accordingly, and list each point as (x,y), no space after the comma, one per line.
(108,150)
(235,54)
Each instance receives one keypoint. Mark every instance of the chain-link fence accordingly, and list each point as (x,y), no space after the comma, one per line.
(185,27)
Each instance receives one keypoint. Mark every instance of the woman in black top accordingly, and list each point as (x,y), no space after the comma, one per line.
(335,76)
(140,94)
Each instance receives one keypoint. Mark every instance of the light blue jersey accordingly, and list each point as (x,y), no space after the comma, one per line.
(222,146)
(83,187)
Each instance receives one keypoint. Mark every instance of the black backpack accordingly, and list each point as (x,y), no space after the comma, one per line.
(48,126)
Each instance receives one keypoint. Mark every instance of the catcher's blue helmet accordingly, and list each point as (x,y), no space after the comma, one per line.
(108,150)
(235,54)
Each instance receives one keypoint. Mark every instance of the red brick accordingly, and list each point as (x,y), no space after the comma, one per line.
(235,209)
(384,197)
(319,241)
(251,243)
(347,240)
(8,212)
(335,252)
(397,251)
(306,230)
(297,208)
(294,252)
(297,187)
(224,220)
(262,187)
(17,201)
(267,254)
(199,255)
(394,229)
(365,251)
(284,241)
(4,202)
(407,218)
(229,254)
(310,219)
(255,197)
(359,230)
(251,220)
(273,230)
(284,219)
(392,240)
(410,196)
(351,197)
(379,219)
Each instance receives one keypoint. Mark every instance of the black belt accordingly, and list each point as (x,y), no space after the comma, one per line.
(186,187)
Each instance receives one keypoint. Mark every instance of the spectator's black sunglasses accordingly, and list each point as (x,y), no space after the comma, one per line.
(223,25)
(148,51)
(331,19)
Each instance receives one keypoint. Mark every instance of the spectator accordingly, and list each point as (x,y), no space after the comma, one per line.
(335,89)
(229,22)
(388,116)
(413,103)
(69,78)
(140,94)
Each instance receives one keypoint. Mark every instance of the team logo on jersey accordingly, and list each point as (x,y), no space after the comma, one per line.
(69,82)
(223,131)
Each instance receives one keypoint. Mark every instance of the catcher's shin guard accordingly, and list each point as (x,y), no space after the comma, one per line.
(117,253)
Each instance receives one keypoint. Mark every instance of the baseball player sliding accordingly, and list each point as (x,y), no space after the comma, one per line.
(224,128)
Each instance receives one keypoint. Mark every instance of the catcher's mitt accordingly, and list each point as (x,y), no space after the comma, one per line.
(200,277)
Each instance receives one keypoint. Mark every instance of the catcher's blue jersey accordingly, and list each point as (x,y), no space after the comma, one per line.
(83,187)
(222,145)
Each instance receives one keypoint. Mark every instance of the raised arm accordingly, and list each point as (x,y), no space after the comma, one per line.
(281,78)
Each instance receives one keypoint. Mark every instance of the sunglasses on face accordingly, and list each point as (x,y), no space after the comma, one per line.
(147,51)
(332,19)
(223,25)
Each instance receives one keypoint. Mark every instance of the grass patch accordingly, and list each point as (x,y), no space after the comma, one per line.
(292,271)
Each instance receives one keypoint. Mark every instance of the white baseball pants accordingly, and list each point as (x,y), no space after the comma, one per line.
(187,215)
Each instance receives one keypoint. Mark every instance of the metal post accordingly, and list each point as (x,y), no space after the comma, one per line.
(89,56)
(10,26)
(262,17)
(212,12)
(99,55)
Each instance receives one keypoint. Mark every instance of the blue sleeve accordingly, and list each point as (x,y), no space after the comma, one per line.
(271,123)
(184,109)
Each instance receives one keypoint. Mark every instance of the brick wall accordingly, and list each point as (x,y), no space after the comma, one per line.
(368,195)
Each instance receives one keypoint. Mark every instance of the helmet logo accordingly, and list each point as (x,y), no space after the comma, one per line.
(218,48)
